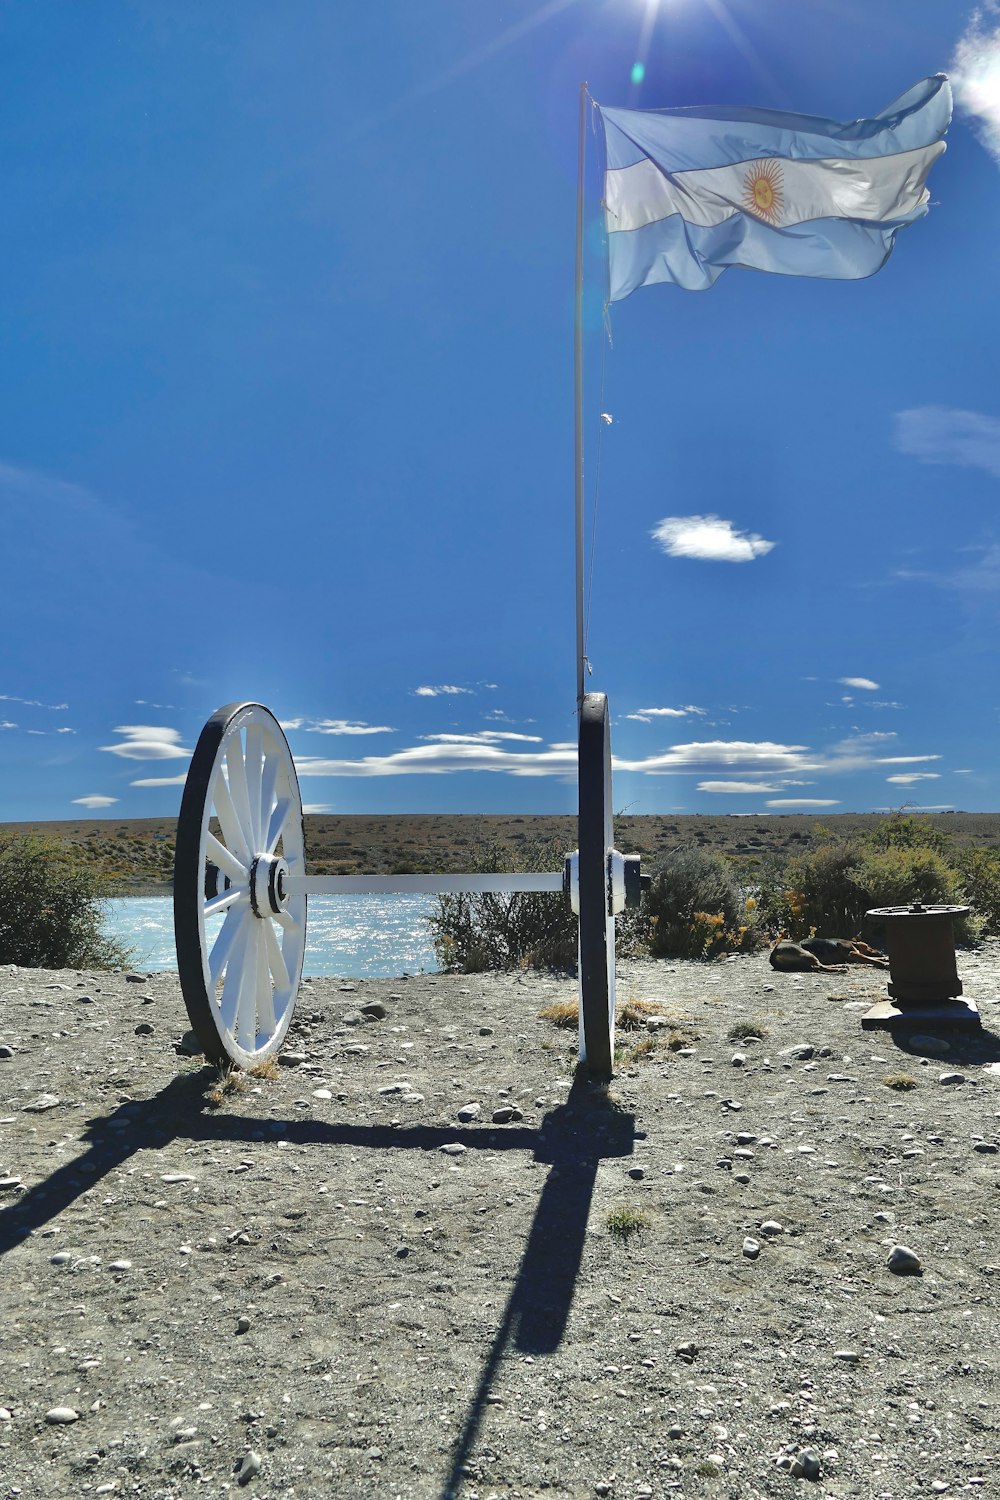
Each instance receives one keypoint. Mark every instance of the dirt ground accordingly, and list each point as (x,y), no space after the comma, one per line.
(428,1260)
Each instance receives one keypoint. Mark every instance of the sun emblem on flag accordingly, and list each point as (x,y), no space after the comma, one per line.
(763,192)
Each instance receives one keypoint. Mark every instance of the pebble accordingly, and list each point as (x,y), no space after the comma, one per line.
(374,1010)
(292,1059)
(5,1050)
(120,1265)
(144,1029)
(61,1258)
(322,1094)
(453,1148)
(352,1018)
(799,1051)
(9,1184)
(41,1104)
(248,1468)
(849,1356)
(506,1114)
(6,1415)
(771,1227)
(470,1112)
(177,1177)
(904,1262)
(739,1059)
(686,1352)
(751,1248)
(242,1325)
(806,1465)
(637,1173)
(933,1044)
(951,1078)
(985,1147)
(61,1414)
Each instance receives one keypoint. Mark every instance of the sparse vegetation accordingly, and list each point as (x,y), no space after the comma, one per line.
(745,1031)
(900,1082)
(622,1223)
(51,909)
(694,908)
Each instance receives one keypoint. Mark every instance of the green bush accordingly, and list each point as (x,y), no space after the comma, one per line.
(694,907)
(980,873)
(51,910)
(830,889)
(472,934)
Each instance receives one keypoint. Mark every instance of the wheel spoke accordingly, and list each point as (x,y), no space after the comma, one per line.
(225,901)
(253,766)
(224,943)
(238,786)
(234,975)
(246,1004)
(225,858)
(236,836)
(279,819)
(268,782)
(288,922)
(275,957)
(264,1014)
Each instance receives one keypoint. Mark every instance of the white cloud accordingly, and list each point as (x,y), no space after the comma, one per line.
(147,742)
(909,777)
(442,754)
(160,780)
(859,682)
(975,74)
(64,730)
(95,800)
(337,726)
(483,737)
(7,724)
(436,692)
(30,702)
(647,715)
(748,788)
(316,807)
(793,802)
(947,435)
(442,759)
(709,539)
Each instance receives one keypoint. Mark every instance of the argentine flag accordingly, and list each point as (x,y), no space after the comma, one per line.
(689,192)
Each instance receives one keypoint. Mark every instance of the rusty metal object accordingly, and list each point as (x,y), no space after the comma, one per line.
(924,984)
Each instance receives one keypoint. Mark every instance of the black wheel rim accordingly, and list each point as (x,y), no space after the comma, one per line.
(597,925)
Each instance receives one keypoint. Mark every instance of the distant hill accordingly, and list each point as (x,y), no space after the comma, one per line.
(136,854)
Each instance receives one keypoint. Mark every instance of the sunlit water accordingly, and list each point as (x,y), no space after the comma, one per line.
(360,937)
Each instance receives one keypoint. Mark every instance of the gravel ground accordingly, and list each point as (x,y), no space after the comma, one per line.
(403,1267)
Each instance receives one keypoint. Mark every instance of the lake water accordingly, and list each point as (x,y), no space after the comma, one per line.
(359,937)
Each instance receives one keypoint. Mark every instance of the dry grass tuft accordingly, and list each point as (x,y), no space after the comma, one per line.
(267,1069)
(230,1081)
(563,1013)
(900,1082)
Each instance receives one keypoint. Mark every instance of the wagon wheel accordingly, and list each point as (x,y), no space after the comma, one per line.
(238,837)
(597,924)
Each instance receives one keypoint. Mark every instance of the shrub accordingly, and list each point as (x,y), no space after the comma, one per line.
(694,906)
(475,933)
(51,910)
(831,889)
(980,873)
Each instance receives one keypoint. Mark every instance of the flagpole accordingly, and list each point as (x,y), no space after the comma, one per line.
(578,403)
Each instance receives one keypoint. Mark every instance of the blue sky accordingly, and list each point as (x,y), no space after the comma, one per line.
(286,415)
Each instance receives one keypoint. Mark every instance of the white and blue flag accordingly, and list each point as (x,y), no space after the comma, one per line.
(689,192)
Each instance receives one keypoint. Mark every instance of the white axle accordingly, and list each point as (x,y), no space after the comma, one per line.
(408,885)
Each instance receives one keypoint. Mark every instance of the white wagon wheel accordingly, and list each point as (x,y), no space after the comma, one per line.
(597,923)
(238,837)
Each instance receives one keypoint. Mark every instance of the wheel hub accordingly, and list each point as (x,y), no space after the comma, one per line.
(268,885)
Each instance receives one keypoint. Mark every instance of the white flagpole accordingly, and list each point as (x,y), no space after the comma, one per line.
(578,411)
